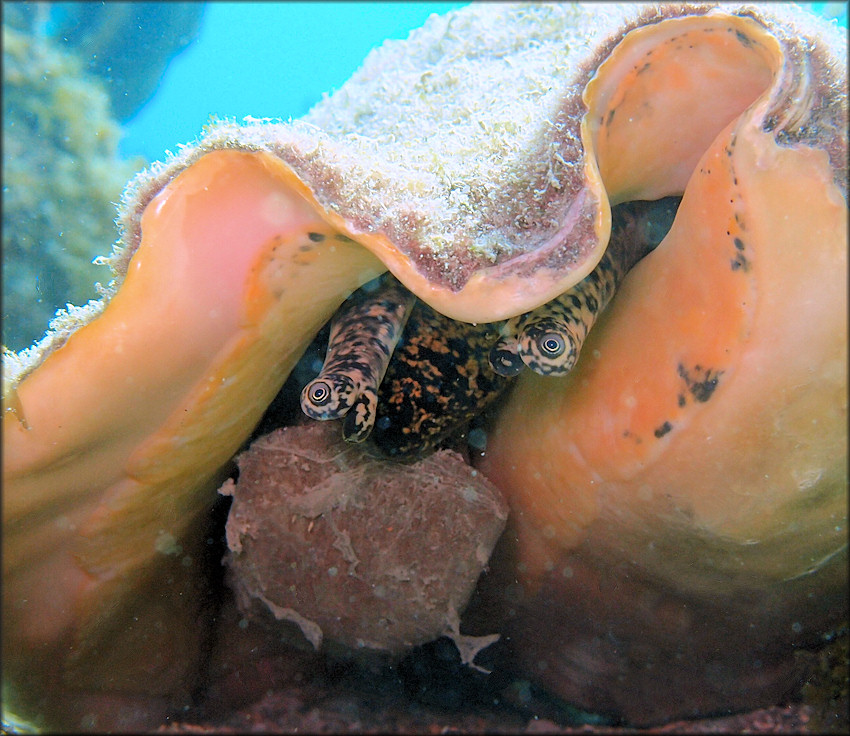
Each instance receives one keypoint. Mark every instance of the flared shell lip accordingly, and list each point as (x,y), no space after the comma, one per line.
(493,293)
(506,289)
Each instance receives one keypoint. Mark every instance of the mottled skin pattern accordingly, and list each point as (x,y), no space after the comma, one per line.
(363,335)
(444,373)
(438,380)
(549,339)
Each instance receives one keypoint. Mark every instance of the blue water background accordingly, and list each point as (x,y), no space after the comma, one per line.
(273,59)
(265,60)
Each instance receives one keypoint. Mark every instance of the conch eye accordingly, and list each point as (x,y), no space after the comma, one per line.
(552,344)
(319,393)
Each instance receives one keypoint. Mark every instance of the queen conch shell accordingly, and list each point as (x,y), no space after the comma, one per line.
(477,161)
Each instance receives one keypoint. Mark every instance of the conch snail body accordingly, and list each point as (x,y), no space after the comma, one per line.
(477,161)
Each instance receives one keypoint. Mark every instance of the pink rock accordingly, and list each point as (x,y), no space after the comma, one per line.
(360,551)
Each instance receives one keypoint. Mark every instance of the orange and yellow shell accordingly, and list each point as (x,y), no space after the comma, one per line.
(677,502)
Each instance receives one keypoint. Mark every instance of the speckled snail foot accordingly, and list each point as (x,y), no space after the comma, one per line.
(328,539)
(548,340)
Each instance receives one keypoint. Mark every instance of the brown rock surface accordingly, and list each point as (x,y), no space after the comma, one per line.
(363,552)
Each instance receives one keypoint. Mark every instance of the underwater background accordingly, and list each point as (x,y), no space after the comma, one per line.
(266,60)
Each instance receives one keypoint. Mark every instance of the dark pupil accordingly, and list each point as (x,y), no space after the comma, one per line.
(320,393)
(552,345)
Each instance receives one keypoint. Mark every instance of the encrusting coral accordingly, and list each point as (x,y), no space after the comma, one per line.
(695,459)
(61,177)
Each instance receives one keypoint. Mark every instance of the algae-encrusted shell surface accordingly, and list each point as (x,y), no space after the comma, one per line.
(464,161)
(459,165)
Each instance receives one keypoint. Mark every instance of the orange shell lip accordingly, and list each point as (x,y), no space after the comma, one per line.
(493,292)
(509,287)
(709,309)
(693,466)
